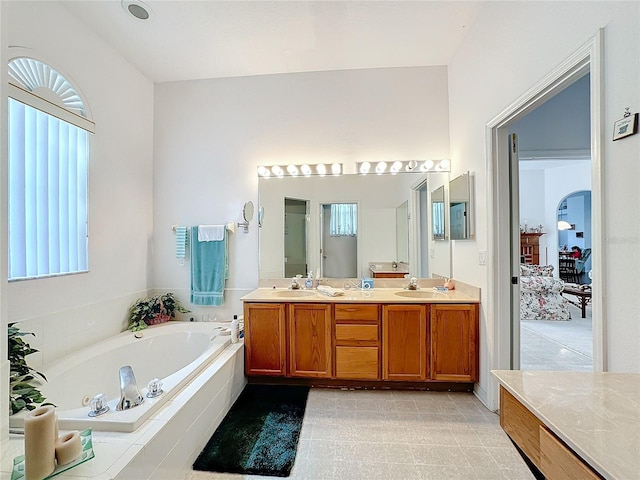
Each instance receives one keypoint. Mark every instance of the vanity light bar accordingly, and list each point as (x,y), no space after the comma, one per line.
(305,170)
(411,166)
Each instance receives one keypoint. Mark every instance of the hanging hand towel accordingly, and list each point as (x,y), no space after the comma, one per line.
(209,270)
(210,233)
(181,242)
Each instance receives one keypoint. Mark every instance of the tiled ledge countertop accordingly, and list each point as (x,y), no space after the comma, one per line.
(596,414)
(279,292)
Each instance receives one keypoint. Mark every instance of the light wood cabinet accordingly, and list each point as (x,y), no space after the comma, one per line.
(546,451)
(357,342)
(404,342)
(264,343)
(309,340)
(454,343)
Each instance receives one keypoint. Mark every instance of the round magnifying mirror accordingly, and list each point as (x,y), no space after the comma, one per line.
(247,211)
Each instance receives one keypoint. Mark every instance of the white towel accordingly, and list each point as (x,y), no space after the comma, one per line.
(330,291)
(210,233)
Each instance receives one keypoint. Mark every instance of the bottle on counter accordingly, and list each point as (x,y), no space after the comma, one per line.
(235,329)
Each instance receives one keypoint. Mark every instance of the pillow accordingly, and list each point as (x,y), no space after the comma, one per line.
(536,270)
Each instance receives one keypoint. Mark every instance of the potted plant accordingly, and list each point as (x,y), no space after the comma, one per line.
(153,310)
(22,394)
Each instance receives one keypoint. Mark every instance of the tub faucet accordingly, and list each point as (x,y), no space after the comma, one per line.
(129,394)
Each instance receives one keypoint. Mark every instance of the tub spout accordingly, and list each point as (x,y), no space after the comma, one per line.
(129,394)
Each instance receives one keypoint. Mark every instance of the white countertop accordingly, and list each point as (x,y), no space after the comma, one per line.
(375,295)
(596,414)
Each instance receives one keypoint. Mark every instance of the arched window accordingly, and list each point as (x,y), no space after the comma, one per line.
(48,160)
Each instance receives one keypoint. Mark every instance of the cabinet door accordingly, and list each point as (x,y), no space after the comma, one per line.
(309,340)
(404,350)
(264,343)
(454,342)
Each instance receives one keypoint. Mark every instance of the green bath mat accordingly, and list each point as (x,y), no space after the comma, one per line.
(259,435)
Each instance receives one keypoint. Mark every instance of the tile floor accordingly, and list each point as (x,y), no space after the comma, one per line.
(399,435)
(557,345)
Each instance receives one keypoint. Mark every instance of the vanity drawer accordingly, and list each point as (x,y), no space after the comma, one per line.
(357,334)
(357,312)
(358,363)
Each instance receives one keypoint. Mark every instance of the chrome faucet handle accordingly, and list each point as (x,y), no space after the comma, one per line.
(413,284)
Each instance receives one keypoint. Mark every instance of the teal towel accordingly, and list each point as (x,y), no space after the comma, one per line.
(209,270)
(181,242)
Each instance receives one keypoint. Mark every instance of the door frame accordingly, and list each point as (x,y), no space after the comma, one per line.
(589,58)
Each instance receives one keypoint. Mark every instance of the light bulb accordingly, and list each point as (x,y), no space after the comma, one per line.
(336,168)
(444,164)
(396,167)
(411,166)
(263,171)
(427,165)
(321,169)
(306,170)
(365,167)
(293,170)
(381,167)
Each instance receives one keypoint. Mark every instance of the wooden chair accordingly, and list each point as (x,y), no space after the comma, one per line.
(567,270)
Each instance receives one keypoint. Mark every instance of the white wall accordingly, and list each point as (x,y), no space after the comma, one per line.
(70,312)
(510,47)
(540,194)
(211,135)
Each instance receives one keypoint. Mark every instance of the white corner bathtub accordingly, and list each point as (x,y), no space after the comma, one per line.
(174,352)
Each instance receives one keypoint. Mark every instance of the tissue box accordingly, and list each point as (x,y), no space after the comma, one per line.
(366,283)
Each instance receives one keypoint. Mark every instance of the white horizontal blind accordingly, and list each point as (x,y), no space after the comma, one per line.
(47,194)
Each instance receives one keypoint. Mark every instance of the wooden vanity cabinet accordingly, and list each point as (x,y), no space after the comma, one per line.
(264,339)
(405,341)
(357,342)
(454,342)
(309,326)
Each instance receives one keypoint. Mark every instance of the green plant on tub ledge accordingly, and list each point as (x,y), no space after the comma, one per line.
(22,394)
(154,310)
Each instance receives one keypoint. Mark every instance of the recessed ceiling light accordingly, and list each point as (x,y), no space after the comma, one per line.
(137,9)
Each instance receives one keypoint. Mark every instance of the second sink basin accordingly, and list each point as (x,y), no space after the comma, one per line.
(293,293)
(415,294)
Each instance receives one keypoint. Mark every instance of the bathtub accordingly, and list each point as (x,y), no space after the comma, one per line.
(174,352)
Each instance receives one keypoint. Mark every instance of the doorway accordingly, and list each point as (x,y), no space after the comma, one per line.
(339,240)
(503,278)
(295,237)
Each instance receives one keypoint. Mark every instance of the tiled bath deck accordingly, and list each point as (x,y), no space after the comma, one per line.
(399,435)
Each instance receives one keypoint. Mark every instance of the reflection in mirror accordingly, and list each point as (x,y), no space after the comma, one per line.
(339,240)
(402,232)
(433,254)
(437,214)
(376,196)
(460,207)
(260,216)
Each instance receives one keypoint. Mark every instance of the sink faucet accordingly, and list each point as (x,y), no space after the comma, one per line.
(413,284)
(295,282)
(129,394)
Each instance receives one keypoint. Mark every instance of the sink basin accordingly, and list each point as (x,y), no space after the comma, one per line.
(414,294)
(293,293)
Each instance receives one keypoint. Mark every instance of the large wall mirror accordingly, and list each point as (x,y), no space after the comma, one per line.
(460,207)
(337,225)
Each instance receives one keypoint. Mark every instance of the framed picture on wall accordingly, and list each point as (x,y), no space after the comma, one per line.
(626,126)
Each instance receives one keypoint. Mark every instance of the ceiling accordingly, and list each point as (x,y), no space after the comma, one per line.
(186,40)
